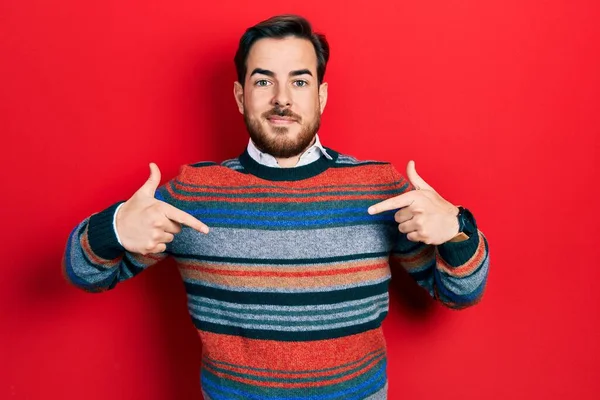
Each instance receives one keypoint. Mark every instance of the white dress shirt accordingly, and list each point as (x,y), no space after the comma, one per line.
(313,153)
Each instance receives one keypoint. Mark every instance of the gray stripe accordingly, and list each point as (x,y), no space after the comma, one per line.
(232,164)
(467,284)
(231,161)
(344,157)
(276,308)
(81,267)
(286,328)
(286,290)
(380,395)
(125,271)
(289,244)
(374,308)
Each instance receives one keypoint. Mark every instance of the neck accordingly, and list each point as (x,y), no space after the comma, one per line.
(292,161)
(288,162)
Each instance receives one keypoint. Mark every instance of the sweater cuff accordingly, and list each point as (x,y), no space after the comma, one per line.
(458,253)
(101,234)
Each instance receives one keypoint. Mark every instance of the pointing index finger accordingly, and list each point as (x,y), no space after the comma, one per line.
(175,214)
(403,200)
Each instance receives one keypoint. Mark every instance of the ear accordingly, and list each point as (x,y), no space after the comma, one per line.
(323,95)
(238,93)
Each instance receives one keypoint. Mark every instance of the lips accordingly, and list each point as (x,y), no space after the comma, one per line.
(281,120)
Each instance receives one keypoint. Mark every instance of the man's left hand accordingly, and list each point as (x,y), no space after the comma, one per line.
(423,214)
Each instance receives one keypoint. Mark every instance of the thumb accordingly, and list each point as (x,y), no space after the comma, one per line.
(415,179)
(153,181)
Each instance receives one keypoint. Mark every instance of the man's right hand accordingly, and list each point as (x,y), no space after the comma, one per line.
(145,225)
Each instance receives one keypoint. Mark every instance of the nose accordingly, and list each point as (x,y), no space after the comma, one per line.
(281,97)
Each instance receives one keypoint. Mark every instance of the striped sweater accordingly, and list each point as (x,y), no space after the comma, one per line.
(290,287)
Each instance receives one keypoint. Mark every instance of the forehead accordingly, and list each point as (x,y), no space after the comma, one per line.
(282,55)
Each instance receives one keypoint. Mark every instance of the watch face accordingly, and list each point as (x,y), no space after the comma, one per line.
(467,222)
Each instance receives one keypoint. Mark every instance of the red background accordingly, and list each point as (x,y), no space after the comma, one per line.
(497,101)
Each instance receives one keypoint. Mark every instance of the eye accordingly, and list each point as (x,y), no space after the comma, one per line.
(301,83)
(261,82)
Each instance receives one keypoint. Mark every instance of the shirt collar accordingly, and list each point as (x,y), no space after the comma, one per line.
(313,153)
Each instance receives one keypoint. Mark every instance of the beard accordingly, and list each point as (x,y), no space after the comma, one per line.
(279,144)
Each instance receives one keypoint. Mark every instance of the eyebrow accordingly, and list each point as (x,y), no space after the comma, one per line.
(272,74)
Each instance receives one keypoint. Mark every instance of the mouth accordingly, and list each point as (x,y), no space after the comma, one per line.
(275,120)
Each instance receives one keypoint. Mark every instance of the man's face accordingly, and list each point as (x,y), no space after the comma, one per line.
(281,99)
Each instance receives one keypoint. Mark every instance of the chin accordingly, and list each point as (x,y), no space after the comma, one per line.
(290,131)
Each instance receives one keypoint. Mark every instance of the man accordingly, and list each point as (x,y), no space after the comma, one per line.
(289,285)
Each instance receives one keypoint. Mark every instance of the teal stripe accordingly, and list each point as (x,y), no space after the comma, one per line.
(262,324)
(297,216)
(284,267)
(307,312)
(275,206)
(271,379)
(286,195)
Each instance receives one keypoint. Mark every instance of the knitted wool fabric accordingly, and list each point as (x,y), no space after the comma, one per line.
(290,287)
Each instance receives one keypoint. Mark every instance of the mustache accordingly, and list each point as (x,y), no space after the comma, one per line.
(281,112)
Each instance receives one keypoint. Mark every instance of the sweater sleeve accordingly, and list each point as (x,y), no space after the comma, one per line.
(95,261)
(455,273)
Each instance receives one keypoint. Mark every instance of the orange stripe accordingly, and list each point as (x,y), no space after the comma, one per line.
(148,258)
(217,175)
(285,274)
(291,356)
(257,266)
(472,264)
(285,190)
(286,282)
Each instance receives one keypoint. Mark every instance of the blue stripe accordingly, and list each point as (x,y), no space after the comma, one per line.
(456,298)
(207,211)
(379,383)
(69,267)
(107,282)
(378,377)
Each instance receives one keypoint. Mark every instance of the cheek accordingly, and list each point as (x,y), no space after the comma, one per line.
(258,102)
(308,102)
(309,109)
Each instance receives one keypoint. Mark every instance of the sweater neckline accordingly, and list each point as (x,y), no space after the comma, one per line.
(287,174)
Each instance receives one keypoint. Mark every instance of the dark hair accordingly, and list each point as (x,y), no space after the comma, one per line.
(281,26)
